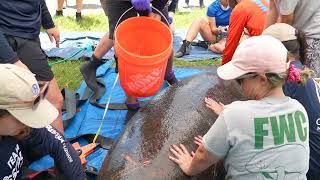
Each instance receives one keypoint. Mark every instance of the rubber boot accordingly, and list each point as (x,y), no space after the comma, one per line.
(116,60)
(78,17)
(88,72)
(171,78)
(184,49)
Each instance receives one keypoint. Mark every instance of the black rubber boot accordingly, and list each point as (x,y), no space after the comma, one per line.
(88,72)
(184,49)
(59,13)
(171,78)
(116,60)
(78,17)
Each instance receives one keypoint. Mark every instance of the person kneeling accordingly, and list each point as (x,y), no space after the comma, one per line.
(25,117)
(263,137)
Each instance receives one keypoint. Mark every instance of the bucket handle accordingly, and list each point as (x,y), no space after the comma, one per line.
(164,17)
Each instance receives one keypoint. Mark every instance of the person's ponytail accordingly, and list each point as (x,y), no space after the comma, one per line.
(301,37)
(299,76)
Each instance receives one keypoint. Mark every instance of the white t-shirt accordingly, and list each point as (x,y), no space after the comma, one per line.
(266,139)
(306,15)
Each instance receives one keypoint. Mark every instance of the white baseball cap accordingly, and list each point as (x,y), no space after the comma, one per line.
(258,54)
(18,94)
(283,32)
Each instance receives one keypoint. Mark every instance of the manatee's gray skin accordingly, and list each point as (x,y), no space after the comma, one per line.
(175,116)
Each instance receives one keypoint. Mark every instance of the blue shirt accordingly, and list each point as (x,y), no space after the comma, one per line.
(309,96)
(24,18)
(222,17)
(21,18)
(13,153)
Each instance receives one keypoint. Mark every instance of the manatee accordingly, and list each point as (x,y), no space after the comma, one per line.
(175,116)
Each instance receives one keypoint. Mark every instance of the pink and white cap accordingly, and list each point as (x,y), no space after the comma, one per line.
(258,54)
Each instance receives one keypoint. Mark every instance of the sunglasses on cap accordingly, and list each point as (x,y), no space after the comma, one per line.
(246,76)
(36,100)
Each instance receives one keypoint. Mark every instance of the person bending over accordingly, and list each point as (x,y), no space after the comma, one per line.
(213,30)
(247,19)
(25,130)
(263,137)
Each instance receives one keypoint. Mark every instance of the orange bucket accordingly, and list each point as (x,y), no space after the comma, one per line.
(143,46)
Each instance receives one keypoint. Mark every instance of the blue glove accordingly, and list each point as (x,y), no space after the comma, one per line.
(141,5)
(170,20)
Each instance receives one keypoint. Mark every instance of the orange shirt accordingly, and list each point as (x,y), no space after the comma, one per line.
(249,14)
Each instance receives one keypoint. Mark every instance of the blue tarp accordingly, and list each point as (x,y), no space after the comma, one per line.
(72,42)
(87,121)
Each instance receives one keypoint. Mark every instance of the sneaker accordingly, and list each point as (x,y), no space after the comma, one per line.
(59,13)
(184,49)
(78,17)
(199,43)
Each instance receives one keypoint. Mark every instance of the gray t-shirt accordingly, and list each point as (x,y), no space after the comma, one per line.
(306,15)
(266,139)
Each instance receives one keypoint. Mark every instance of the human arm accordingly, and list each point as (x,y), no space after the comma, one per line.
(48,141)
(272,15)
(213,147)
(46,19)
(286,10)
(48,24)
(238,21)
(212,24)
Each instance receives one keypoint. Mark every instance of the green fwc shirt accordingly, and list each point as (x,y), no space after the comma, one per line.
(265,139)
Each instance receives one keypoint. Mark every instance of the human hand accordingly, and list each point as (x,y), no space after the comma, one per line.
(54,33)
(214,106)
(141,5)
(182,157)
(222,29)
(198,140)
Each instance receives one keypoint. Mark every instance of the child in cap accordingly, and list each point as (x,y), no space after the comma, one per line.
(307,94)
(265,137)
(25,118)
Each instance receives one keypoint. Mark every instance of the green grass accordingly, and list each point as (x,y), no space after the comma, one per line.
(97,22)
(68,74)
(184,19)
